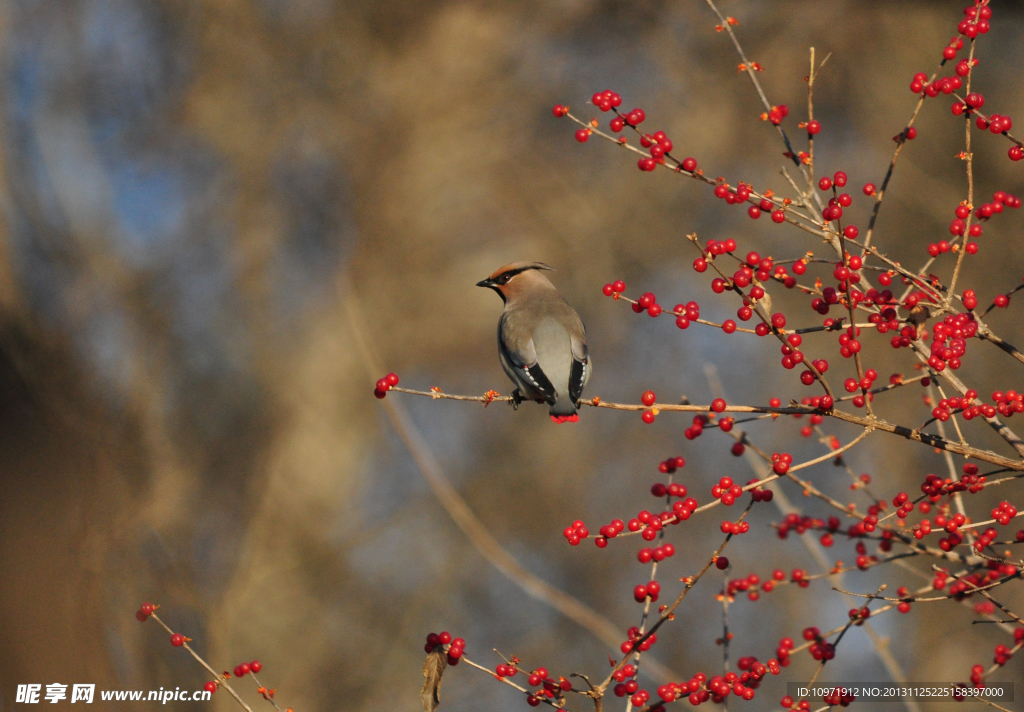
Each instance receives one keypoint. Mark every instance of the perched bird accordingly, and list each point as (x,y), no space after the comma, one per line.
(542,343)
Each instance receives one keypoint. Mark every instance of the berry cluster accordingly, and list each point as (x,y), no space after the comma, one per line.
(245,668)
(145,611)
(454,647)
(727,491)
(550,688)
(1004,513)
(385,384)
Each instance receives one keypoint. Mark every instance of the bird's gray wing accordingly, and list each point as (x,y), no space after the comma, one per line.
(579,374)
(578,377)
(521,358)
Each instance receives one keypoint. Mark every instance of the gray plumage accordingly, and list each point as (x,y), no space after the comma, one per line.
(542,342)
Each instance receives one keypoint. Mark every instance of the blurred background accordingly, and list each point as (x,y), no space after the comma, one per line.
(223,220)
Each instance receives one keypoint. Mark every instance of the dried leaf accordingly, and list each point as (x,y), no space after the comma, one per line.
(433,671)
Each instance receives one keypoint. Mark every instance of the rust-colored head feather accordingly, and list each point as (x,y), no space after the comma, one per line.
(514,278)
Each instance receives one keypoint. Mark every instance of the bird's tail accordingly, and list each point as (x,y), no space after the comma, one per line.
(563,410)
(565,418)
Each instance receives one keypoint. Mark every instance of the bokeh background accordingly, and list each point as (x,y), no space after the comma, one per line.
(222,220)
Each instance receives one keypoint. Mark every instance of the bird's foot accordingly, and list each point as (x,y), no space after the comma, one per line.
(517,398)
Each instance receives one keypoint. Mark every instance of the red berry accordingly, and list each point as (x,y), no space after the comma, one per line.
(177,640)
(648,398)
(210,687)
(255,666)
(869,189)
(813,128)
(825,183)
(392,379)
(560,110)
(722,563)
(689,164)
(648,416)
(582,135)
(718,405)
(778,216)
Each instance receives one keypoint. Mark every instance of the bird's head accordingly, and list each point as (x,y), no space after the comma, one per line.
(514,278)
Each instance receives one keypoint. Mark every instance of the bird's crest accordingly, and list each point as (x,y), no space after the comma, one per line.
(517,267)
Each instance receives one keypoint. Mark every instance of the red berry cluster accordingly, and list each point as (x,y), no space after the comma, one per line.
(658,553)
(1004,513)
(1002,655)
(903,606)
(550,688)
(977,20)
(781,462)
(660,146)
(778,113)
(820,649)
(1008,403)
(455,646)
(803,523)
(957,228)
(697,428)
(956,329)
(996,123)
(840,695)
(685,313)
(613,288)
(145,611)
(699,688)
(385,384)
(728,527)
(943,85)
(502,670)
(576,532)
(649,303)
(727,491)
(641,592)
(626,685)
(748,585)
(245,668)
(668,467)
(985,539)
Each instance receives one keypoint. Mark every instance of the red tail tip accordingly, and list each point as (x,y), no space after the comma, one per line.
(574,418)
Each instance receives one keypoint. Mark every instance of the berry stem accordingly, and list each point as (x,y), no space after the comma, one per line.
(216,675)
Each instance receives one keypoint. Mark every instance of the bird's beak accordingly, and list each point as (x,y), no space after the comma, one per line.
(485,283)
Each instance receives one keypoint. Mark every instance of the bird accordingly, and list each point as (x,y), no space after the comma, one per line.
(542,342)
